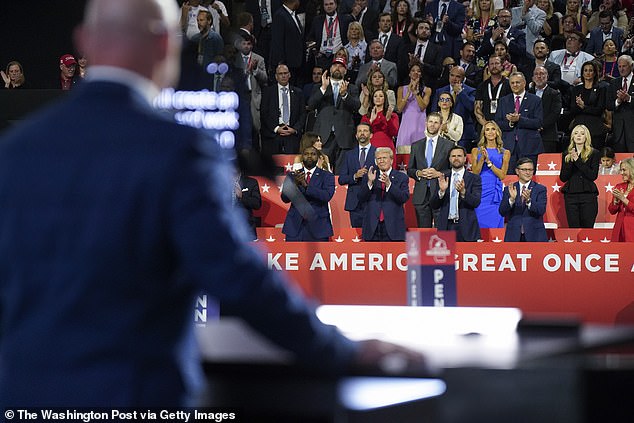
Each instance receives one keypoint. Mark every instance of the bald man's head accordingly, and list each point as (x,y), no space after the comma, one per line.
(137,35)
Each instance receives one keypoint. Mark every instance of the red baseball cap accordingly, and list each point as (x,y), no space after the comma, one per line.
(67,60)
(341,61)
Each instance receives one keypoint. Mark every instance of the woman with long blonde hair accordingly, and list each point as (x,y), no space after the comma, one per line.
(579,170)
(622,204)
(490,160)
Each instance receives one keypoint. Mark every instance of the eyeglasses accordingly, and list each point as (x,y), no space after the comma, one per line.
(504,16)
(524,169)
(444,99)
(573,38)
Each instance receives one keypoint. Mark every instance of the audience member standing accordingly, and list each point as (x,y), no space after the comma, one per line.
(308,190)
(579,170)
(376,81)
(513,37)
(384,193)
(423,51)
(287,39)
(606,30)
(491,161)
(447,18)
(282,115)
(378,61)
(263,12)
(335,101)
(390,42)
(353,170)
(490,91)
(14,76)
(412,102)
(571,59)
(458,194)
(246,195)
(67,66)
(329,31)
(620,102)
(622,204)
(311,139)
(429,157)
(520,117)
(587,103)
(523,205)
(551,109)
(383,120)
(209,44)
(452,126)
(254,68)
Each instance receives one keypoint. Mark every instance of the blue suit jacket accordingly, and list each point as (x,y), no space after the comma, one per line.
(594,46)
(526,130)
(310,208)
(468,223)
(452,30)
(111,223)
(518,215)
(465,103)
(349,167)
(391,203)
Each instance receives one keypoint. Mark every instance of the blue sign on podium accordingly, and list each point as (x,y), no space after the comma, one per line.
(431,271)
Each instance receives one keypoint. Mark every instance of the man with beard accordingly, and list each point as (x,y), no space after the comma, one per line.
(540,54)
(489,92)
(384,191)
(209,43)
(514,38)
(424,52)
(329,31)
(473,73)
(354,167)
(335,101)
(309,190)
(427,159)
(457,207)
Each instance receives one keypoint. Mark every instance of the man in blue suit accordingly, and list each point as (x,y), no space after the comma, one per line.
(308,190)
(513,37)
(384,193)
(523,205)
(598,35)
(287,40)
(354,167)
(520,117)
(113,222)
(458,195)
(447,18)
(464,103)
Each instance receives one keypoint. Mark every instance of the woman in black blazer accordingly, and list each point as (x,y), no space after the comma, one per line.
(587,103)
(579,170)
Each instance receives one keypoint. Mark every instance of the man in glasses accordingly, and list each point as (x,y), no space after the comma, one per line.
(513,37)
(524,204)
(571,58)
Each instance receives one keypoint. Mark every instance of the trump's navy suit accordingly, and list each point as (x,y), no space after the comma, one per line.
(519,216)
(309,215)
(349,167)
(468,227)
(390,201)
(523,138)
(113,219)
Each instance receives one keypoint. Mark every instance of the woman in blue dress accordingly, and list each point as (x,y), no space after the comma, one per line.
(490,160)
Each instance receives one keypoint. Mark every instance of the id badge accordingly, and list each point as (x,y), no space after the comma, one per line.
(494,106)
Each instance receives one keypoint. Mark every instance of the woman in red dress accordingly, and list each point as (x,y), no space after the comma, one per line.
(383,121)
(623,204)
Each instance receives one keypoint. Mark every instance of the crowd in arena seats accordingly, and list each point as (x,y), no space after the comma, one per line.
(526,71)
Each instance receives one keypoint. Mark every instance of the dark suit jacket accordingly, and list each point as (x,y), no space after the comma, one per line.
(125,226)
(516,47)
(529,142)
(349,167)
(253,7)
(465,103)
(551,109)
(388,68)
(370,24)
(622,118)
(452,30)
(287,43)
(468,223)
(579,176)
(391,203)
(518,215)
(339,116)
(392,48)
(553,69)
(251,199)
(594,45)
(418,161)
(317,28)
(270,112)
(310,208)
(432,63)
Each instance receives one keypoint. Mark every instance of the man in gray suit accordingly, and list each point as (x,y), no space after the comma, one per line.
(428,159)
(256,77)
(335,101)
(388,68)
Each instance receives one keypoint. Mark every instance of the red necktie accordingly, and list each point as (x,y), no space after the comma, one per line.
(307,178)
(381,215)
(517,104)
(625,84)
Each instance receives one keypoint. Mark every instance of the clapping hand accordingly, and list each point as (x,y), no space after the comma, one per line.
(461,187)
(512,193)
(443,183)
(325,80)
(385,179)
(360,173)
(371,175)
(618,195)
(580,102)
(526,196)
(5,78)
(343,88)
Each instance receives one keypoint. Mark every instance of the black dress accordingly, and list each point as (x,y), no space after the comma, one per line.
(592,113)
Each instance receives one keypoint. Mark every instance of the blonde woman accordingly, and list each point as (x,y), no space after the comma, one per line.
(490,160)
(14,76)
(579,170)
(622,204)
(312,139)
(356,48)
